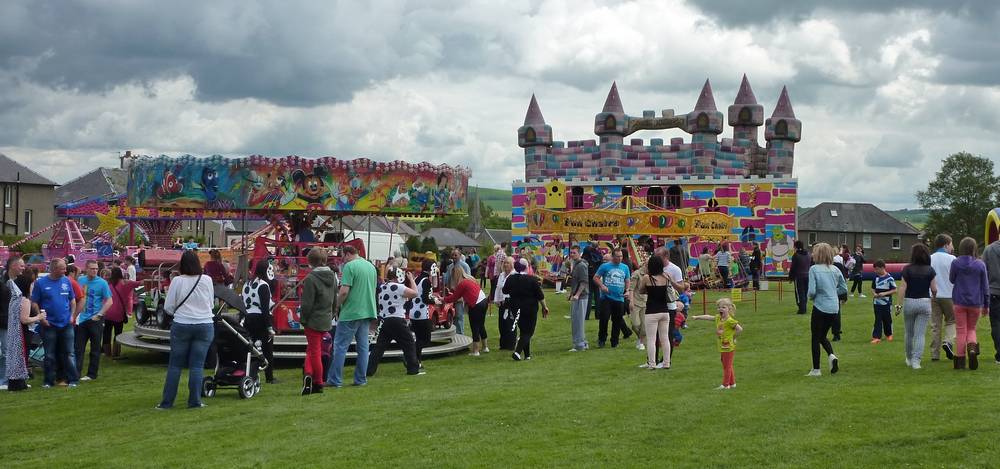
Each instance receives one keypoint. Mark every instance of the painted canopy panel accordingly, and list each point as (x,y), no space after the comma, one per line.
(294,183)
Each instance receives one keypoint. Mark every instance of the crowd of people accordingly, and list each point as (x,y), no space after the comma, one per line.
(338,305)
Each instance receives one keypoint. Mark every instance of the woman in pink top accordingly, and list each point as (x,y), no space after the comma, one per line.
(122,297)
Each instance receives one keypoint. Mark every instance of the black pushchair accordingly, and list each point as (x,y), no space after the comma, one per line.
(238,361)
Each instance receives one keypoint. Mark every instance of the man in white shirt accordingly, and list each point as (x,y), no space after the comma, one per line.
(941,305)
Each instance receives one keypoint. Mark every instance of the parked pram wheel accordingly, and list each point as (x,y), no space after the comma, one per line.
(256,385)
(208,387)
(247,388)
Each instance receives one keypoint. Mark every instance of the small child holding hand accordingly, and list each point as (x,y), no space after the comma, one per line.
(726,329)
(883,287)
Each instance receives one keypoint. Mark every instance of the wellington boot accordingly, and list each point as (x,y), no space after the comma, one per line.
(973,353)
(959,363)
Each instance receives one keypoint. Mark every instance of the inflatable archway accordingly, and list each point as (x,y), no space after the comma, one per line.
(992,225)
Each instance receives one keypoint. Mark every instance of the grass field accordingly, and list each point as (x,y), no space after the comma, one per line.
(590,409)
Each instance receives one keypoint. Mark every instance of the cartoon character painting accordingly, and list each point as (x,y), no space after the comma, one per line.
(311,188)
(779,248)
(268,189)
(170,187)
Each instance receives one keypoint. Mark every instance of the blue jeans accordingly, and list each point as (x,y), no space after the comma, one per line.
(347,330)
(460,318)
(188,347)
(59,344)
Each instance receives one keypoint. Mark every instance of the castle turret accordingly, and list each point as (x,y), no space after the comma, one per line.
(704,123)
(536,138)
(610,124)
(781,131)
(745,115)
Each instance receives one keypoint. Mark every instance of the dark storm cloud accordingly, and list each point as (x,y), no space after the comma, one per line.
(291,54)
(738,12)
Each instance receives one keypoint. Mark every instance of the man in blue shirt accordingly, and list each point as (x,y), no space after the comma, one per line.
(612,278)
(90,319)
(54,294)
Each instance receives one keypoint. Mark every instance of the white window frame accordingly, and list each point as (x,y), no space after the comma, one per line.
(841,239)
(812,238)
(897,243)
(29,219)
(866,241)
(8,196)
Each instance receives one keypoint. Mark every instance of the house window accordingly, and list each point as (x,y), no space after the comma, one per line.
(812,238)
(8,196)
(576,197)
(833,213)
(896,242)
(626,192)
(866,241)
(674,196)
(841,239)
(654,196)
(28,218)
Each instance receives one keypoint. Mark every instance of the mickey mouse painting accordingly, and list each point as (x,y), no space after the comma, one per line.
(311,188)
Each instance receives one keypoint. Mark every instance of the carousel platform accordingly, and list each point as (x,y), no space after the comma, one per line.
(293,345)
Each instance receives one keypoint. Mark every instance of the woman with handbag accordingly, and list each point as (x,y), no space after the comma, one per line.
(122,299)
(189,300)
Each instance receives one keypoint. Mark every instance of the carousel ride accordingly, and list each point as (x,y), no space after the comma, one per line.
(302,201)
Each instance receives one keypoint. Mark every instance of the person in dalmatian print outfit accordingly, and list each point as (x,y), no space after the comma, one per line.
(417,307)
(258,321)
(392,295)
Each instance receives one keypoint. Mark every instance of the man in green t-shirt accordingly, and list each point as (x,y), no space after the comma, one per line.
(357,309)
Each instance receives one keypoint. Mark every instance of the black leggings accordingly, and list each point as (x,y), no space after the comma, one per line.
(856,283)
(507,326)
(256,325)
(390,329)
(477,320)
(109,327)
(526,322)
(821,325)
(422,332)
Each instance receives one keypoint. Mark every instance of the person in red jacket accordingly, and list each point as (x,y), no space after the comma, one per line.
(465,287)
(122,292)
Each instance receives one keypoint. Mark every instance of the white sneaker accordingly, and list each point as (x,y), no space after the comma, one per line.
(486,350)
(474,354)
(640,345)
(863,295)
(644,365)
(85,378)
(567,317)
(662,366)
(573,349)
(732,385)
(721,387)
(815,372)
(915,363)
(908,364)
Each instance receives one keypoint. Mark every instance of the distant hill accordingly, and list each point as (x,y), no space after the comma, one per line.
(497,199)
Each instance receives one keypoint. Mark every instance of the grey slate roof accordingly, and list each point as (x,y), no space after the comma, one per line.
(491,236)
(450,237)
(852,218)
(101,182)
(9,169)
(380,224)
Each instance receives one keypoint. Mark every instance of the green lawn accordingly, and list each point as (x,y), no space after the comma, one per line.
(561,409)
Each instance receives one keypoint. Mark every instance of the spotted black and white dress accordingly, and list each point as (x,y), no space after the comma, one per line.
(258,322)
(419,311)
(392,327)
(17,368)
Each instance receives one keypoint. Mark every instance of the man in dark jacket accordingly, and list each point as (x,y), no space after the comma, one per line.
(799,275)
(316,310)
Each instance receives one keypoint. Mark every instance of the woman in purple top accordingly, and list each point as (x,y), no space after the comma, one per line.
(971,295)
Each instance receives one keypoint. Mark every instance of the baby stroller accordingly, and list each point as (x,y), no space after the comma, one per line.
(238,362)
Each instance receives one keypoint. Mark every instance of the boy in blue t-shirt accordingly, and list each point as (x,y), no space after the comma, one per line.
(883,287)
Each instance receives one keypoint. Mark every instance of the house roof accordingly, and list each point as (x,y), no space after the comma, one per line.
(9,170)
(852,218)
(380,224)
(101,182)
(450,237)
(492,236)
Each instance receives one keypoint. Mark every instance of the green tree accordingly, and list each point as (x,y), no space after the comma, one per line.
(959,197)
(429,244)
(413,244)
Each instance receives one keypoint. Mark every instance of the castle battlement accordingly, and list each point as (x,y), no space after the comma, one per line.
(704,156)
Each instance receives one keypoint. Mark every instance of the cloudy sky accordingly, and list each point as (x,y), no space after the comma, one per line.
(884,91)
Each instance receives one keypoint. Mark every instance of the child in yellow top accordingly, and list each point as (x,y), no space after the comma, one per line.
(726,329)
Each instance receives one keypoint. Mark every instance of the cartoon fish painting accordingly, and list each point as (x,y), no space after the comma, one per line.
(170,187)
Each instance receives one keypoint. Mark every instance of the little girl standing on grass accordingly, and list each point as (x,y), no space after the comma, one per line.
(726,329)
